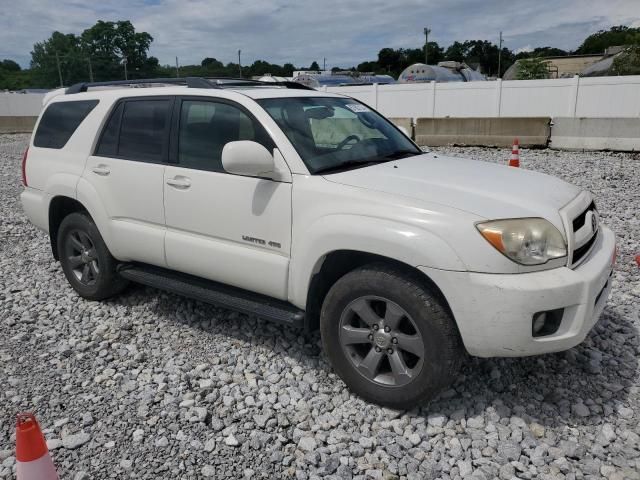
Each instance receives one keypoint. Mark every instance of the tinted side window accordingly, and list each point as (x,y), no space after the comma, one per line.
(144,130)
(206,127)
(108,145)
(59,121)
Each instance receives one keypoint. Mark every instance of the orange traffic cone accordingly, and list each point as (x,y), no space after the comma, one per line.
(514,161)
(32,456)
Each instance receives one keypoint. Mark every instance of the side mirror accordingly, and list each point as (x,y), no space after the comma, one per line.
(248,158)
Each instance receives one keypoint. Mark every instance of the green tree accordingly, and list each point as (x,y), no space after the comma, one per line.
(456,52)
(211,63)
(110,44)
(261,67)
(314,66)
(628,62)
(287,69)
(532,69)
(12,77)
(480,53)
(367,67)
(416,55)
(9,66)
(600,41)
(390,60)
(100,49)
(59,49)
(542,52)
(484,54)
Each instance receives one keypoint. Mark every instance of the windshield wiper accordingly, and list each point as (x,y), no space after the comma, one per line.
(402,154)
(370,161)
(349,164)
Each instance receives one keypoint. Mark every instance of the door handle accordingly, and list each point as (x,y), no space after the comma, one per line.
(101,170)
(179,182)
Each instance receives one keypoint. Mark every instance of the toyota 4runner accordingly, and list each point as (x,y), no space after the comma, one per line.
(313,210)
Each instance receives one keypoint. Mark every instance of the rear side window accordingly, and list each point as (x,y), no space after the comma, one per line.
(137,130)
(108,146)
(144,130)
(59,121)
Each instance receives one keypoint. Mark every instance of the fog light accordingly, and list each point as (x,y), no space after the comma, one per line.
(538,322)
(546,323)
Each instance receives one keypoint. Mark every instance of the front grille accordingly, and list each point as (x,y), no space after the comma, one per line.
(582,242)
(578,222)
(580,252)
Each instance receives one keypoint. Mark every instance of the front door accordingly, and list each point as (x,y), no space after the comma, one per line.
(228,228)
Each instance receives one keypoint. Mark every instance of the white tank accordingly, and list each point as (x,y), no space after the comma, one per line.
(271,78)
(443,72)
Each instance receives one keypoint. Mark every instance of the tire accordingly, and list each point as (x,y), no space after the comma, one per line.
(424,345)
(86,262)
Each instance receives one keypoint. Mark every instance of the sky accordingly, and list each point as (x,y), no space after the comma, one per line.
(345,32)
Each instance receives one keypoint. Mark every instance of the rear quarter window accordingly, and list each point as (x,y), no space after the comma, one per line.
(59,121)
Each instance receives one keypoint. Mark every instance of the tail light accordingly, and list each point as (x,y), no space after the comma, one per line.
(24,167)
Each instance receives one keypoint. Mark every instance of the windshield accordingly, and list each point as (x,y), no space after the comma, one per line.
(334,134)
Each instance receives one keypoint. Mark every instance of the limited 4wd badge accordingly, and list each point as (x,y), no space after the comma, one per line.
(260,241)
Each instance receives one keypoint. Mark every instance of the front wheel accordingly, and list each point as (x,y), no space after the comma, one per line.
(87,263)
(389,337)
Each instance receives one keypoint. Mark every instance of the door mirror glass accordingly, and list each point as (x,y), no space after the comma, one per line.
(248,158)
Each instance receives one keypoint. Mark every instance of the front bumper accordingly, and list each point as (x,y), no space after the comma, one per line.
(494,311)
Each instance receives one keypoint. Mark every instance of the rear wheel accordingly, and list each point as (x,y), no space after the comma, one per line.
(389,337)
(87,263)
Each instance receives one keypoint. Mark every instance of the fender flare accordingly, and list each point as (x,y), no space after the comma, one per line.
(87,195)
(403,242)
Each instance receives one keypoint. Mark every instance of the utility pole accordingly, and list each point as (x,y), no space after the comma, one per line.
(427,31)
(500,57)
(324,63)
(90,69)
(177,69)
(59,71)
(124,62)
(239,63)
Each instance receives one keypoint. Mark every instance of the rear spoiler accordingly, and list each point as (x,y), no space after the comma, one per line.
(53,93)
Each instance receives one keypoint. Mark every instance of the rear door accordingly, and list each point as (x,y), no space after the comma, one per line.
(127,172)
(229,228)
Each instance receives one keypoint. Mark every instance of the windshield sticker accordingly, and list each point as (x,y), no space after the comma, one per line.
(357,108)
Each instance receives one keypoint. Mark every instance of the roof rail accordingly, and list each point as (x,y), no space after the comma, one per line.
(190,82)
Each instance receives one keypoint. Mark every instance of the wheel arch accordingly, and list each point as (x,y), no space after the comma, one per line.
(59,207)
(335,264)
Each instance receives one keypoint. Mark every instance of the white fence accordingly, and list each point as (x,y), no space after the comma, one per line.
(567,97)
(20,104)
(598,97)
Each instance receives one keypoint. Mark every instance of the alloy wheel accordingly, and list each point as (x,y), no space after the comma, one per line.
(381,340)
(82,257)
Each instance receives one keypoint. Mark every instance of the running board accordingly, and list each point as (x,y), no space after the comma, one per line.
(215,293)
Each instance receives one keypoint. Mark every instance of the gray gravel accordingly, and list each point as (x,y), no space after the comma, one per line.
(151,385)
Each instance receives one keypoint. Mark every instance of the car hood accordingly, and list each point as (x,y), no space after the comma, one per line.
(488,190)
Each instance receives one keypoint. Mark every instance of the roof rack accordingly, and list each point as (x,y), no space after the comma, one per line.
(189,82)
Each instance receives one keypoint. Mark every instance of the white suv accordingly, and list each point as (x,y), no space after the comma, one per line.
(313,210)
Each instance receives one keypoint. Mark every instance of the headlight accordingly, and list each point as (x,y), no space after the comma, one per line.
(528,241)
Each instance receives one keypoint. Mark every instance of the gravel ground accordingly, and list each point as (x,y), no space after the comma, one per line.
(151,385)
